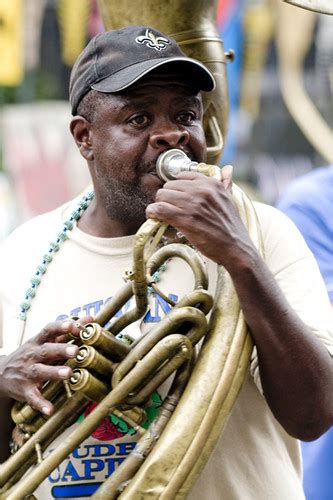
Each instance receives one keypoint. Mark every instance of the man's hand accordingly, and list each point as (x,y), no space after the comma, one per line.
(202,208)
(23,372)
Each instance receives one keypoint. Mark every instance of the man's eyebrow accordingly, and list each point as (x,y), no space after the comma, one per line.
(135,101)
(138,101)
(191,100)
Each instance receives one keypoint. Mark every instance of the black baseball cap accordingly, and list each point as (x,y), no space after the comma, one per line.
(114,60)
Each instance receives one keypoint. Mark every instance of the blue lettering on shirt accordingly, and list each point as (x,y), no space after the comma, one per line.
(84,464)
(153,315)
(75,490)
(158,309)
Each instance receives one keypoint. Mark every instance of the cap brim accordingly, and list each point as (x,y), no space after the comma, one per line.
(126,77)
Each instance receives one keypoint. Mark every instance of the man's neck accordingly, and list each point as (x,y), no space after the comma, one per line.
(96,222)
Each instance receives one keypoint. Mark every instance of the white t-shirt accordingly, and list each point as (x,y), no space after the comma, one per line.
(254,458)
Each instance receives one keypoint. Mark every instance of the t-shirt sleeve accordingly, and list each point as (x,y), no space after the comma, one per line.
(297,274)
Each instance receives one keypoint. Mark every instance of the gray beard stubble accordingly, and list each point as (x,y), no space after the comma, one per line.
(125,201)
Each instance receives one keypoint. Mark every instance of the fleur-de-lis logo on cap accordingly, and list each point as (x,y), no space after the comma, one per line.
(153,41)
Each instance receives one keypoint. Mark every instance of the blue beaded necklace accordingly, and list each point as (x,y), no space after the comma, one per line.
(53,248)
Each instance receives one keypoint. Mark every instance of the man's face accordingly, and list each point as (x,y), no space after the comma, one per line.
(131,130)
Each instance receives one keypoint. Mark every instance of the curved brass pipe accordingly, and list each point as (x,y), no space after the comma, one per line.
(292,47)
(178,457)
(13,469)
(160,353)
(321,6)
(117,482)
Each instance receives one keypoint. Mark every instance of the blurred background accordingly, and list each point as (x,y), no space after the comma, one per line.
(274,136)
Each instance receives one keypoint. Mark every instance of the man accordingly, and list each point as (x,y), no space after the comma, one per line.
(308,202)
(134,95)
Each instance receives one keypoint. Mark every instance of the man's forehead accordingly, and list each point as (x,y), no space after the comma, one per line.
(165,79)
(147,93)
(151,91)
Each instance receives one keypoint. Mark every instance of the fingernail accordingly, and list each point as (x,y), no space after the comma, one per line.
(66,325)
(46,410)
(71,350)
(63,372)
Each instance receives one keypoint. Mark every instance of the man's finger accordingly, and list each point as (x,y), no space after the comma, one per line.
(59,331)
(164,211)
(52,331)
(49,352)
(40,372)
(38,402)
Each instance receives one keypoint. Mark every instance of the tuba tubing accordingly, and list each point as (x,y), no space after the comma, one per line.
(175,462)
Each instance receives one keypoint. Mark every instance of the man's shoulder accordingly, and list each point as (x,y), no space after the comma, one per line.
(42,224)
(268,214)
(35,232)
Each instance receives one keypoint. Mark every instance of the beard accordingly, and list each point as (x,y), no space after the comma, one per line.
(126,201)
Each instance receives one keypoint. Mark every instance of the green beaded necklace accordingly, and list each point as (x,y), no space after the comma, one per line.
(48,256)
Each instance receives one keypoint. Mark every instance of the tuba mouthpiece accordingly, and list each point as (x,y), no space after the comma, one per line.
(172,162)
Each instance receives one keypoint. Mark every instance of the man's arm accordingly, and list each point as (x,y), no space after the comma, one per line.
(295,367)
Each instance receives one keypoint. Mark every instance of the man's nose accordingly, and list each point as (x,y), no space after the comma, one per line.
(168,135)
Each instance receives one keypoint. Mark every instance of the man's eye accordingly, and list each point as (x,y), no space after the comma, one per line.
(187,117)
(140,120)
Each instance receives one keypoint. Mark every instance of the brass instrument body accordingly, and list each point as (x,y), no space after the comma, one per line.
(160,352)
(223,360)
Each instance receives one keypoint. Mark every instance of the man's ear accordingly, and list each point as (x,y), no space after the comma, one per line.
(81,131)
